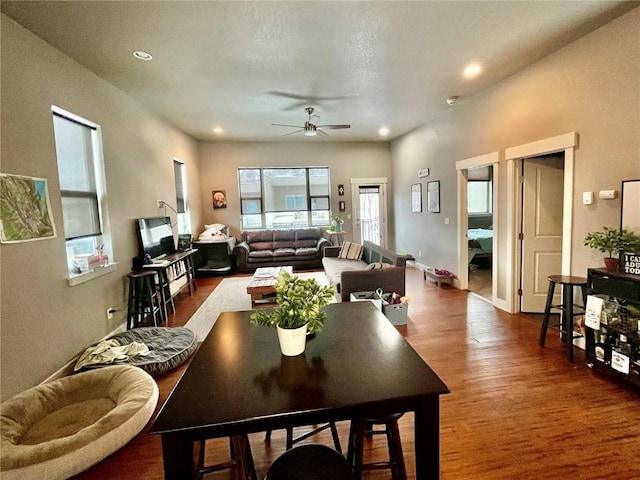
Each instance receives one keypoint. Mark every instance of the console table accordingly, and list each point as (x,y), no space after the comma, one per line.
(175,272)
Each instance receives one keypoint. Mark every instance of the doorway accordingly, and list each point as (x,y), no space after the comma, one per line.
(369,199)
(480,230)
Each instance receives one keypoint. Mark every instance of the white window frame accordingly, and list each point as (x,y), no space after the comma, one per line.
(101,190)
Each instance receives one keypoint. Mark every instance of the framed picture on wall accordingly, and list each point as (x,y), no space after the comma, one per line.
(219,199)
(416,197)
(433,197)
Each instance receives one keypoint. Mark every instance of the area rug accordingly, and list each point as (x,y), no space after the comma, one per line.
(230,296)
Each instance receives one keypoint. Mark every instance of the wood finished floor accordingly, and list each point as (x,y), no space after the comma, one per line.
(515,411)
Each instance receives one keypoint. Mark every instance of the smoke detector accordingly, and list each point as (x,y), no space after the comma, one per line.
(452,99)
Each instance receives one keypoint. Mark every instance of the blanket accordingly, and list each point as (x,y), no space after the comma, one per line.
(108,351)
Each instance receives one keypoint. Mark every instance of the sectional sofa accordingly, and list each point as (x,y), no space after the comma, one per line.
(377,268)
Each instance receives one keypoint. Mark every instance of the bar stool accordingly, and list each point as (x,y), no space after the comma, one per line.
(241,459)
(310,462)
(291,440)
(366,427)
(143,299)
(566,308)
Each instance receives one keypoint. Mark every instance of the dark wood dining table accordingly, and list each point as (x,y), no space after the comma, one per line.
(239,383)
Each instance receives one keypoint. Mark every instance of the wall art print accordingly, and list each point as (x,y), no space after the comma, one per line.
(25,209)
(219,199)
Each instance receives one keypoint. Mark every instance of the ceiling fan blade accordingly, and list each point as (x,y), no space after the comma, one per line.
(281,125)
(322,132)
(333,127)
(297,131)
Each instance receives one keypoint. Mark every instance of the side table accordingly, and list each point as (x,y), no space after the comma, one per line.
(336,238)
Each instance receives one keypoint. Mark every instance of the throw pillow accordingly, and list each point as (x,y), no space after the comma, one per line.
(378,266)
(351,251)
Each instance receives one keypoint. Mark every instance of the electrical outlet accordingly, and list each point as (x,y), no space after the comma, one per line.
(159,203)
(110,313)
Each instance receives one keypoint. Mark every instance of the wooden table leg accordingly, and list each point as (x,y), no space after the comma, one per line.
(427,439)
(178,457)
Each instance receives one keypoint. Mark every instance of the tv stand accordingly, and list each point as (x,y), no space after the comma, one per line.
(175,273)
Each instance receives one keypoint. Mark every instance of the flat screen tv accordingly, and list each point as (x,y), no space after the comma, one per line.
(155,236)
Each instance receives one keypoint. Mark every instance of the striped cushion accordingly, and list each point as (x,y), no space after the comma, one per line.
(351,251)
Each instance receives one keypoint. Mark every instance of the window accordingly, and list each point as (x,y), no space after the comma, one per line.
(284,197)
(82,189)
(479,197)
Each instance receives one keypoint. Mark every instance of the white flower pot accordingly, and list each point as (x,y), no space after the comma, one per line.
(292,340)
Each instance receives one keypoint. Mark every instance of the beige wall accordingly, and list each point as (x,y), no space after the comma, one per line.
(44,322)
(591,86)
(219,162)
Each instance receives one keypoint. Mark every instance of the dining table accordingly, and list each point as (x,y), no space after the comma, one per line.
(238,383)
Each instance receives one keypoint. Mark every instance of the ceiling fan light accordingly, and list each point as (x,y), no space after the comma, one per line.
(310,133)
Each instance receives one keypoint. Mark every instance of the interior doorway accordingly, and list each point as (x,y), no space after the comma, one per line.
(480,230)
(369,200)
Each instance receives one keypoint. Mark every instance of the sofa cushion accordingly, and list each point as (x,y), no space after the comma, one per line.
(351,251)
(284,239)
(378,266)
(284,252)
(333,268)
(258,236)
(302,252)
(261,254)
(261,246)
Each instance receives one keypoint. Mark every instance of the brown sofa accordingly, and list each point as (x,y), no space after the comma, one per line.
(269,248)
(350,276)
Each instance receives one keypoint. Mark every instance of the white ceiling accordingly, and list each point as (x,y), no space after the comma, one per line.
(242,66)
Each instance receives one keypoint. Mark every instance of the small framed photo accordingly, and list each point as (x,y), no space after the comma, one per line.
(433,197)
(219,199)
(416,197)
(184,242)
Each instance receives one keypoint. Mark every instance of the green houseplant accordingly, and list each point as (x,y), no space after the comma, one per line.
(612,242)
(299,308)
(336,223)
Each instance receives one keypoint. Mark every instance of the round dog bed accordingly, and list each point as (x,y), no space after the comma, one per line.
(168,348)
(58,429)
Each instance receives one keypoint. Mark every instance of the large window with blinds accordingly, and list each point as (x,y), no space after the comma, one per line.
(284,197)
(81,176)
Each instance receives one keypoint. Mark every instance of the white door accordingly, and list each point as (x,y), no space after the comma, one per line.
(369,202)
(541,242)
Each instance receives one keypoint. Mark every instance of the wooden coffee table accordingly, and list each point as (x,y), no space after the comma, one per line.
(262,286)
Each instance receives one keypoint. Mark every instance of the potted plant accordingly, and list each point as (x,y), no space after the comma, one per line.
(613,242)
(299,311)
(336,223)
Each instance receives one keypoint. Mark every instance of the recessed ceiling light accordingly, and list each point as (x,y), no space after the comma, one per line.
(218,131)
(383,131)
(472,70)
(140,55)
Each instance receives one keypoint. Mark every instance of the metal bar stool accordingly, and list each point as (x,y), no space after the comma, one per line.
(566,308)
(365,427)
(143,299)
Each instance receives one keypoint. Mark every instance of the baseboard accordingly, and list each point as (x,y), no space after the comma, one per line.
(67,369)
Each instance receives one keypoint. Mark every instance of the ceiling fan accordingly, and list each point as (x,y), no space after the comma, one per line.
(311,129)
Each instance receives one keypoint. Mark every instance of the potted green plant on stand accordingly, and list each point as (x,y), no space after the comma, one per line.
(298,312)
(613,242)
(336,223)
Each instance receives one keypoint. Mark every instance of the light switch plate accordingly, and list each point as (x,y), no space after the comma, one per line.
(587,198)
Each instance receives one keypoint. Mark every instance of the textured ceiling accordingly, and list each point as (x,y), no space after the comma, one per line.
(242,66)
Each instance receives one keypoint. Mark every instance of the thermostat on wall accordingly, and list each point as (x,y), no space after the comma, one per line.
(607,194)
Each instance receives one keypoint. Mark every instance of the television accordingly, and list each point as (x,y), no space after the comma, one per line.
(155,237)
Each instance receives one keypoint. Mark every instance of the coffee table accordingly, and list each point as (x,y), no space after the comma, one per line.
(262,286)
(239,383)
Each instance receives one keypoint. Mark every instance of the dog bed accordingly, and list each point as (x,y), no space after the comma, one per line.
(168,348)
(60,428)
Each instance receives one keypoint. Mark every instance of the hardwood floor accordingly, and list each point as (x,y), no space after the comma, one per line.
(515,411)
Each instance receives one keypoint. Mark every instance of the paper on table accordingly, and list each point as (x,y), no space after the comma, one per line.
(593,311)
